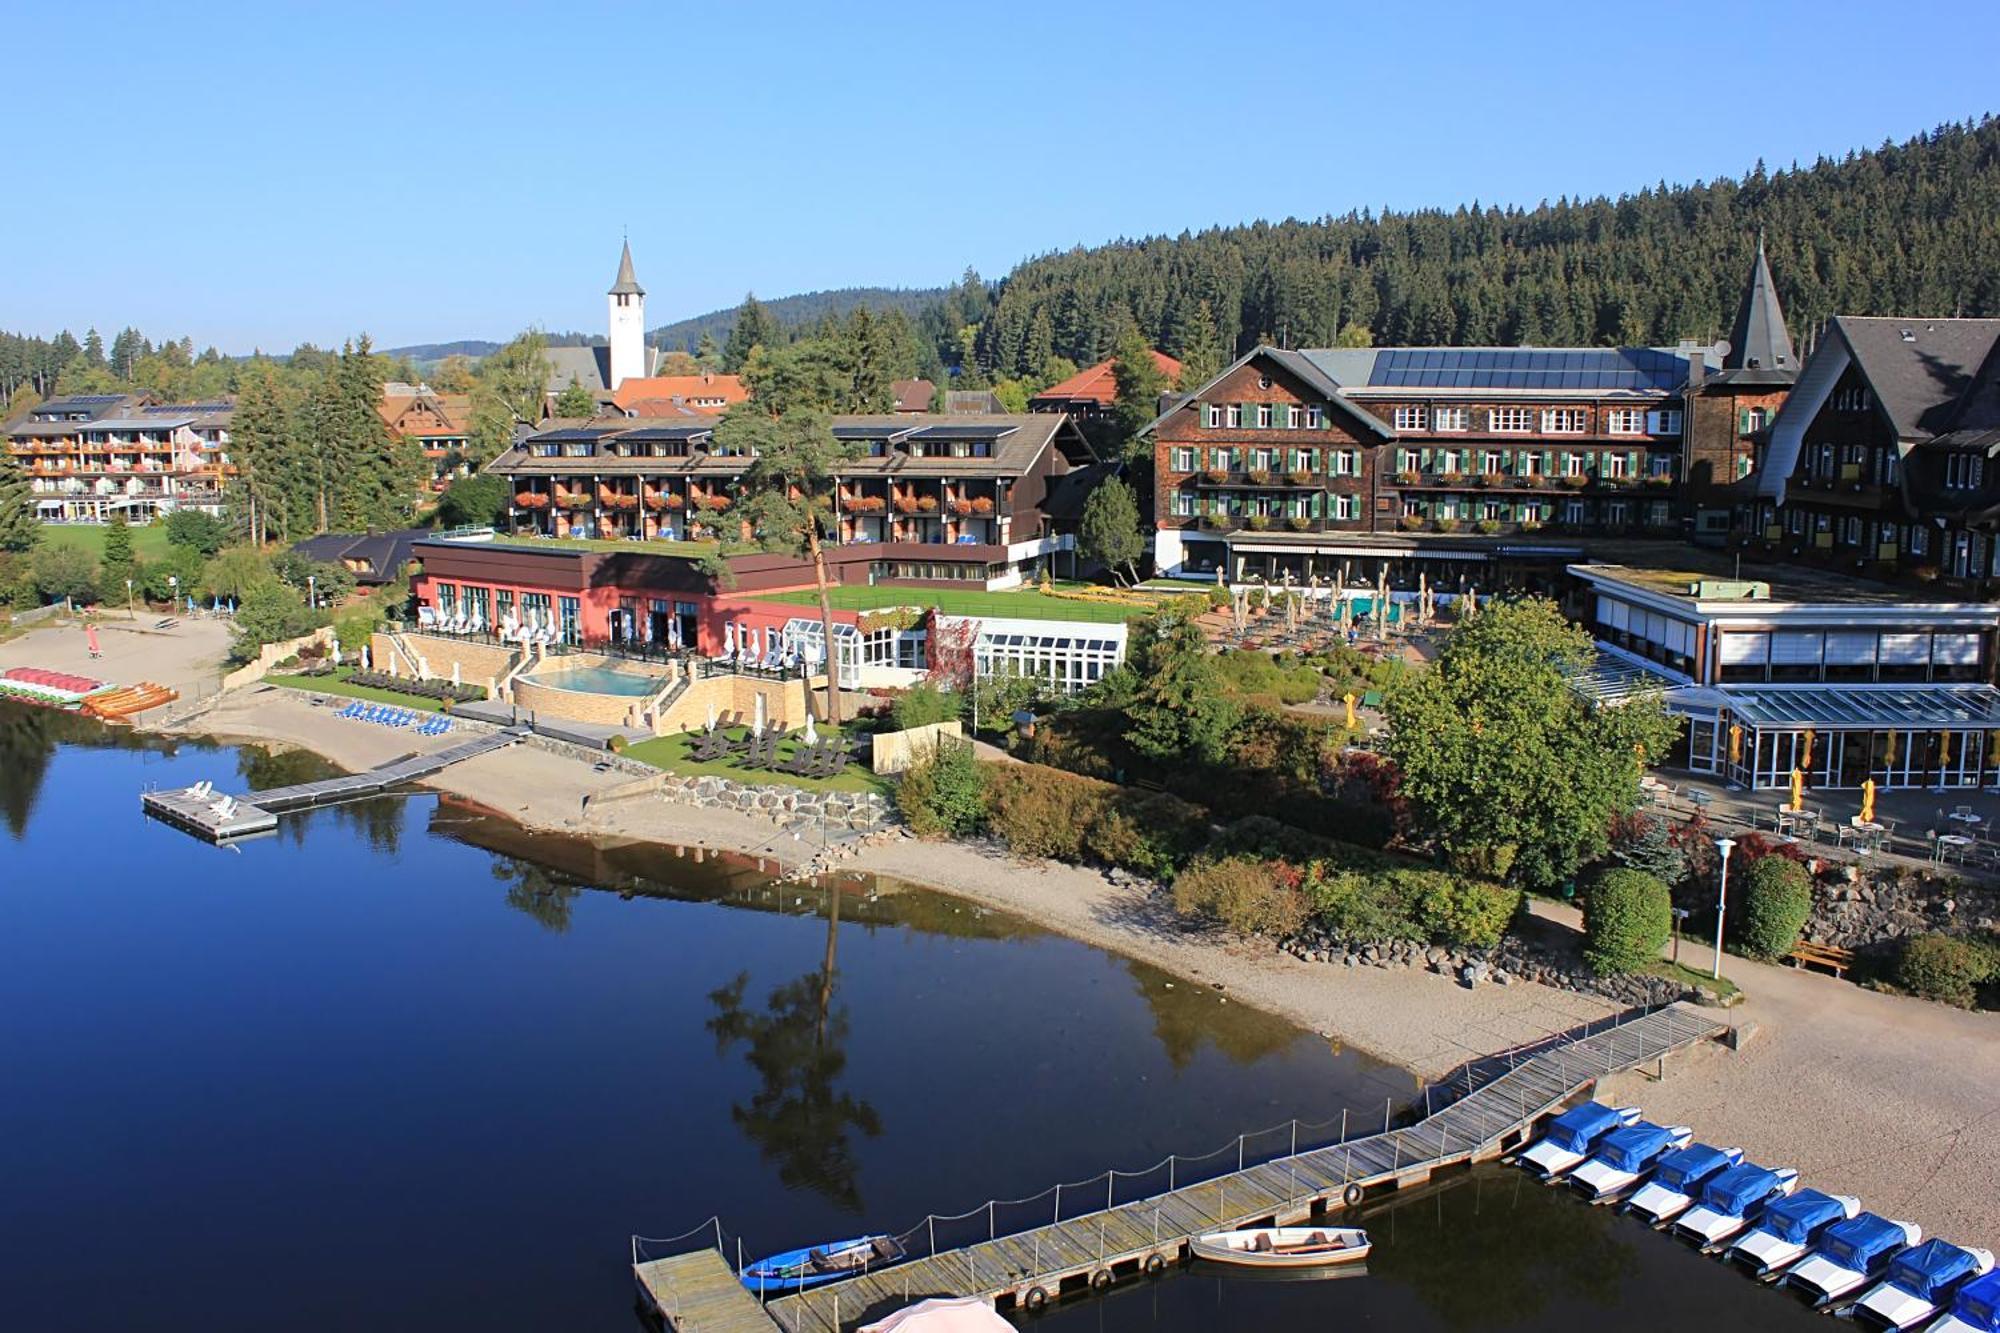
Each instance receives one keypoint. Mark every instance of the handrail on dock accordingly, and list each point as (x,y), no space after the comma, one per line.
(1477,1122)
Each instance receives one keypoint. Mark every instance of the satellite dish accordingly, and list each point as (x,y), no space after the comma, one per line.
(1722,348)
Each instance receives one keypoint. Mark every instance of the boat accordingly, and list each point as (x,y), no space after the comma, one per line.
(798,1270)
(1976,1308)
(1919,1280)
(943,1314)
(1848,1255)
(1731,1200)
(1624,1158)
(1677,1179)
(1788,1231)
(1283,1247)
(1571,1136)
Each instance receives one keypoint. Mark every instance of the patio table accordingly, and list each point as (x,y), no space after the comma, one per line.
(1965,817)
(1957,844)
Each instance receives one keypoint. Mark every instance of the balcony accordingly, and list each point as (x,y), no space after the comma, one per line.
(1262,479)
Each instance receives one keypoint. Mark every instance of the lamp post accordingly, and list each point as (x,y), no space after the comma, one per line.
(128,599)
(312,591)
(173,592)
(1725,846)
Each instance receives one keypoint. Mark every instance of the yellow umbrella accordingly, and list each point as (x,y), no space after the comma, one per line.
(1806,763)
(1798,790)
(1351,723)
(1735,743)
(1944,747)
(1868,801)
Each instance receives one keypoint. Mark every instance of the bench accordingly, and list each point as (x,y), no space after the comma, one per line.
(1829,956)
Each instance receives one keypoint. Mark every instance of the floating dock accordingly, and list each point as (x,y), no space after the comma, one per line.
(1026,1269)
(220,818)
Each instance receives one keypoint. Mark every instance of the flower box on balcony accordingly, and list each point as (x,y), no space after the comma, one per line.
(1493,480)
(1408,478)
(906,504)
(1217,475)
(1488,526)
(963,508)
(658,502)
(1299,523)
(1298,476)
(982,504)
(620,502)
(531,500)
(1447,525)
(1576,481)
(866,504)
(573,501)
(927,504)
(1410,522)
(1260,476)
(1659,481)
(1258,522)
(714,504)
(1219,522)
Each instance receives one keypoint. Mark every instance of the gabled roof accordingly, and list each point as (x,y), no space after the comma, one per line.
(1301,366)
(382,555)
(1537,371)
(1760,350)
(729,388)
(1921,371)
(588,366)
(627,284)
(913,395)
(1099,383)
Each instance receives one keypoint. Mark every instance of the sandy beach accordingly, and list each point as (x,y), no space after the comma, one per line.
(1892,1099)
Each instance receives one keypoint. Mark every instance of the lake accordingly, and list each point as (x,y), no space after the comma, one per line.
(405,1066)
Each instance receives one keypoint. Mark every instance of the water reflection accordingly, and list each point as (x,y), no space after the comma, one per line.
(544,896)
(28,741)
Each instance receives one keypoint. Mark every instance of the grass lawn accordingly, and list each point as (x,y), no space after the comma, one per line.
(1025,604)
(671,753)
(1689,976)
(148,543)
(338,683)
(694,550)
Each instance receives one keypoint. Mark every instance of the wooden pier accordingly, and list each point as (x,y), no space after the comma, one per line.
(1025,1269)
(220,818)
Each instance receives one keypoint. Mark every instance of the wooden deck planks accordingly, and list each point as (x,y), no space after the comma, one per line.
(712,1301)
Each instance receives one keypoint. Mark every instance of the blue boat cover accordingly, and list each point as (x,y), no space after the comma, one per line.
(1929,1269)
(1633,1147)
(1580,1126)
(1979,1304)
(1860,1242)
(1799,1217)
(1690,1166)
(1738,1189)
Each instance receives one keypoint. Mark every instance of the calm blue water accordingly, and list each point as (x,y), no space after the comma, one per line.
(596,680)
(382,1072)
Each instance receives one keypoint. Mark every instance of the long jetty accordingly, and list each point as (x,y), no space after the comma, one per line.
(1503,1100)
(222,819)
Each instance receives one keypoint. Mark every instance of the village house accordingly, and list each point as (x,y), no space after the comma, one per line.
(89,456)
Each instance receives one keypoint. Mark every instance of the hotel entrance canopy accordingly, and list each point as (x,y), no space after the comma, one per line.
(1867,707)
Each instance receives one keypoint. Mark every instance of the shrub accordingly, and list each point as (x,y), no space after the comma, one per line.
(1777,899)
(1042,811)
(1627,915)
(1378,899)
(1944,968)
(943,794)
(1243,895)
(1460,911)
(616,745)
(922,705)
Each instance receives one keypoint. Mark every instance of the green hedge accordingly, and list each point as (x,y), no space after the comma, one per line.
(1045,812)
(1777,899)
(1945,968)
(1627,915)
(1241,894)
(944,794)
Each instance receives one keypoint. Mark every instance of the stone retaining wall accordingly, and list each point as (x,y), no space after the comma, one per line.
(1856,909)
(792,807)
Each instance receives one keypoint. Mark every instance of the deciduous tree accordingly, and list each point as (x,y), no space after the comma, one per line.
(1109,529)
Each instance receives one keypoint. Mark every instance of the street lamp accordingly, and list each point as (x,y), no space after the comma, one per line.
(1725,846)
(312,591)
(128,599)
(173,592)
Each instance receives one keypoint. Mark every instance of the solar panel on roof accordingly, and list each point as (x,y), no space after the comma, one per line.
(869,431)
(966,432)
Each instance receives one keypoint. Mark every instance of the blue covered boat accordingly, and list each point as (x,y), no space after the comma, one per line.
(1849,1254)
(797,1270)
(1677,1179)
(1919,1282)
(1976,1308)
(1788,1230)
(1732,1200)
(1572,1136)
(1625,1157)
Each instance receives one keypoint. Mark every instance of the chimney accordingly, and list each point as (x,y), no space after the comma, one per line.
(1697,362)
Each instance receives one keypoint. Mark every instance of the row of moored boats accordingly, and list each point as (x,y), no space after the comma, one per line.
(1825,1247)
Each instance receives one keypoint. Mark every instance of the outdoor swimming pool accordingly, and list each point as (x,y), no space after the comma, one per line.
(596,680)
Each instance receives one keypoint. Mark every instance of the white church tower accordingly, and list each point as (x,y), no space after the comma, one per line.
(627,301)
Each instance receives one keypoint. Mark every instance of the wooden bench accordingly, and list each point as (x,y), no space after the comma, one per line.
(1829,956)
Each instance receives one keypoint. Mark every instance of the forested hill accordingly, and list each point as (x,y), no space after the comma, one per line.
(1910,228)
(426,352)
(792,312)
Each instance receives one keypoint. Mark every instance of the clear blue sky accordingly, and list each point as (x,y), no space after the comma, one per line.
(259,175)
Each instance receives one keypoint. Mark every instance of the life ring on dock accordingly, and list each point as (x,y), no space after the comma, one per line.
(1353,1195)
(1101,1280)
(1036,1301)
(1156,1264)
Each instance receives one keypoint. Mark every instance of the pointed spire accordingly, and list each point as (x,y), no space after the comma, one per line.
(627,284)
(1759,341)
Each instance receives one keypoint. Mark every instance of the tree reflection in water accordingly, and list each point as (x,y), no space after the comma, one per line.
(28,741)
(799,1118)
(544,895)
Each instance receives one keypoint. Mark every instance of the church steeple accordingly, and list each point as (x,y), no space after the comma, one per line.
(1758,342)
(627,284)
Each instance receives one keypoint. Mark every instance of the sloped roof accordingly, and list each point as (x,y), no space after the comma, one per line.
(627,284)
(729,388)
(384,554)
(588,366)
(1923,371)
(1305,367)
(1099,383)
(913,395)
(1760,350)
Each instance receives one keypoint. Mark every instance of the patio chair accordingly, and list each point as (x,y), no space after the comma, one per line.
(1964,812)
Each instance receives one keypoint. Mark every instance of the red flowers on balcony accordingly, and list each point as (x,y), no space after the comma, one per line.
(714,504)
(865,504)
(531,500)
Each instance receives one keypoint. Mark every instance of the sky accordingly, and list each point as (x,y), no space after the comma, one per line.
(258,175)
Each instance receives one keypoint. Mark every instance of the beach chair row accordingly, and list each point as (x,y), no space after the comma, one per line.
(387,715)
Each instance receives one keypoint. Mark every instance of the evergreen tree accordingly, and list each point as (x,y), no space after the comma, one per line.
(1200,354)
(1109,530)
(19,530)
(117,558)
(1140,384)
(754,328)
(576,401)
(93,348)
(707,354)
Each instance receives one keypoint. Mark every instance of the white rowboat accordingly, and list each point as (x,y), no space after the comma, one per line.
(1283,1247)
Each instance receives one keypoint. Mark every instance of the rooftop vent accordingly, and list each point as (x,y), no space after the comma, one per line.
(1909,335)
(1729,590)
